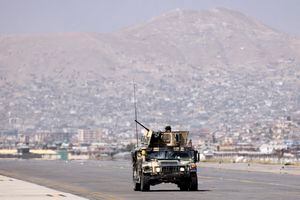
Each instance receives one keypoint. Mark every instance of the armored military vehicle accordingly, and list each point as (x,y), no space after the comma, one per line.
(165,157)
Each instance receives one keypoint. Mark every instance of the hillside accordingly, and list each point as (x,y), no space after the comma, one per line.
(194,69)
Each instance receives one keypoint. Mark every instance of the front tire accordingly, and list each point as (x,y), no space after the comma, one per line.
(194,182)
(145,186)
(136,186)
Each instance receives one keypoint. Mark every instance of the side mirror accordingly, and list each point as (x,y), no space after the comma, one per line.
(196,156)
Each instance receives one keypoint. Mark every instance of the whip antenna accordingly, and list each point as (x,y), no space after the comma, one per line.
(135,115)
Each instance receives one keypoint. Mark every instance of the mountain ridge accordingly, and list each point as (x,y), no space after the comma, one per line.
(207,68)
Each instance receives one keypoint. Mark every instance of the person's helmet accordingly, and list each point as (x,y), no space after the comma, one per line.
(168,129)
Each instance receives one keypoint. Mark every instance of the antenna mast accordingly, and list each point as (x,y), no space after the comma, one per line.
(135,115)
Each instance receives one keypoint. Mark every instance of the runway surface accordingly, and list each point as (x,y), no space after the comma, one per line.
(112,180)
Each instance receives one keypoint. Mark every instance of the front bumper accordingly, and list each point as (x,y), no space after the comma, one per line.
(167,177)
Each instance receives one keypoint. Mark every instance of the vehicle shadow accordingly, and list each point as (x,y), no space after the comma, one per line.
(178,191)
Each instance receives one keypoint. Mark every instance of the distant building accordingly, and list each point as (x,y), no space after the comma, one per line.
(271,148)
(89,136)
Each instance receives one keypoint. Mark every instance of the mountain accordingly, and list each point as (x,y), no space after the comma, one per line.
(193,69)
(218,37)
(214,38)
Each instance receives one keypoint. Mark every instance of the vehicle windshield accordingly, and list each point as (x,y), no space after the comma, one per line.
(181,155)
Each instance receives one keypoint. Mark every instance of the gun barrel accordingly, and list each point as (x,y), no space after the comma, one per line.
(142,125)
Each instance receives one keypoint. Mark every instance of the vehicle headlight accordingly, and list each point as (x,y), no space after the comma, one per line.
(182,169)
(157,169)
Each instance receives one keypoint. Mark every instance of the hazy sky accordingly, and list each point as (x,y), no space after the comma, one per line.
(40,16)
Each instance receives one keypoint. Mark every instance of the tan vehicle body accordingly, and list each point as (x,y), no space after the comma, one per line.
(165,157)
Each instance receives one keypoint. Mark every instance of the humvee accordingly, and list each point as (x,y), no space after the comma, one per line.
(165,157)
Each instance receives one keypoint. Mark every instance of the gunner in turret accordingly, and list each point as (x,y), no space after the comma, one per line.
(168,129)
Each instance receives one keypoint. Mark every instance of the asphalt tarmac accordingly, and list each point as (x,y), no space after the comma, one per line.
(112,180)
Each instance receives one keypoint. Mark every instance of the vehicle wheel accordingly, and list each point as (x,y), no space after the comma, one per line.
(145,186)
(194,182)
(136,186)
